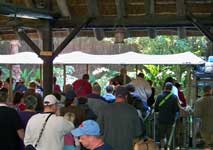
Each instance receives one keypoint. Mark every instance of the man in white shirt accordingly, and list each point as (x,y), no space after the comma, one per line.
(56,127)
(142,87)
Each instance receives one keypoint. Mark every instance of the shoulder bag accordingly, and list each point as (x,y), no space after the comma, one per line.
(30,146)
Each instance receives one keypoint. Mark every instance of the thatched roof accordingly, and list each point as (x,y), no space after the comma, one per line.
(138,17)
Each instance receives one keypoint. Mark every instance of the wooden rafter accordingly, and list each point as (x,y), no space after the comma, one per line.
(63,6)
(25,37)
(70,37)
(200,26)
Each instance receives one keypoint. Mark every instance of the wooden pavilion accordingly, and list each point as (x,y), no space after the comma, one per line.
(46,19)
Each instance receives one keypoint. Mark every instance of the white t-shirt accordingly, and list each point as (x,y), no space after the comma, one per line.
(142,88)
(53,134)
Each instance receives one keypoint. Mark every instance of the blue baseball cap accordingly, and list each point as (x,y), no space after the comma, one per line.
(88,127)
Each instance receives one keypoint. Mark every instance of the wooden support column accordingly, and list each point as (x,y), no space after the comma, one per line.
(149,6)
(93,11)
(209,51)
(180,11)
(46,55)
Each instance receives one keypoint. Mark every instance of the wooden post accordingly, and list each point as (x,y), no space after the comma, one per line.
(64,74)
(87,68)
(10,90)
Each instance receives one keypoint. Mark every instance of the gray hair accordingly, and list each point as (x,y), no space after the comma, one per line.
(30,101)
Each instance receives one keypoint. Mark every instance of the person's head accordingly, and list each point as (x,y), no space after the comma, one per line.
(121,94)
(3,95)
(32,85)
(17,97)
(109,89)
(82,100)
(96,88)
(207,90)
(130,88)
(88,131)
(50,103)
(69,98)
(70,95)
(30,102)
(85,77)
(68,87)
(69,116)
(168,86)
(141,75)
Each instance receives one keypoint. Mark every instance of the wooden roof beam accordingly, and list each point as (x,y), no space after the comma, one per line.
(63,6)
(29,3)
(132,22)
(25,37)
(70,37)
(200,26)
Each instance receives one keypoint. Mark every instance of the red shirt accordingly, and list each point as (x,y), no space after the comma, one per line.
(182,98)
(82,87)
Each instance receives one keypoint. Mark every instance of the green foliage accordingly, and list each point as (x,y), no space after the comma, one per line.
(5,72)
(30,74)
(58,72)
(102,75)
(168,45)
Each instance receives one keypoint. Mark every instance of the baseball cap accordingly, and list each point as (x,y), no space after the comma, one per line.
(88,127)
(121,91)
(50,100)
(168,85)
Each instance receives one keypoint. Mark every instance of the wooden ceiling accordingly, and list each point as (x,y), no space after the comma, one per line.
(137,17)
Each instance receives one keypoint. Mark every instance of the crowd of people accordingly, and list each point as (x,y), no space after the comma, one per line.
(80,117)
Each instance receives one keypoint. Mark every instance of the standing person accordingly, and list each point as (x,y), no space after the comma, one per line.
(203,109)
(151,99)
(121,79)
(89,136)
(167,106)
(32,91)
(56,127)
(181,95)
(82,87)
(142,88)
(56,87)
(30,103)
(95,101)
(11,129)
(120,122)
(109,97)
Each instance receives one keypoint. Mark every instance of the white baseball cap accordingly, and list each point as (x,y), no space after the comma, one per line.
(50,100)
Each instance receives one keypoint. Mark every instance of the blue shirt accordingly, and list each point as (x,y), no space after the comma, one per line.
(109,97)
